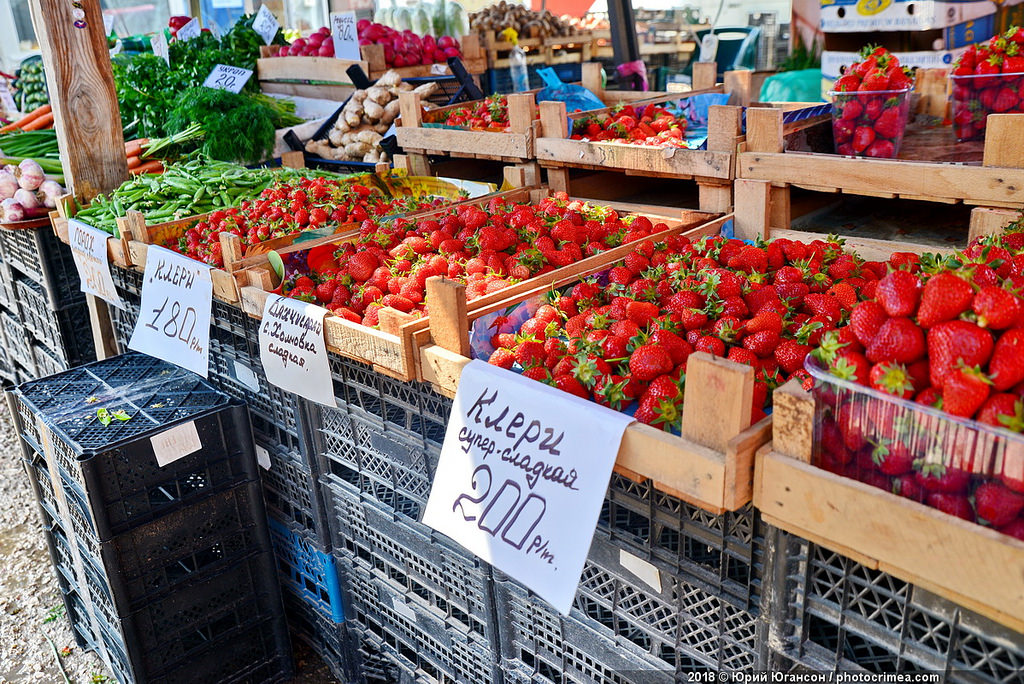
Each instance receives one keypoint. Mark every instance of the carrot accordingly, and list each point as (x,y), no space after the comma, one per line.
(28,118)
(134,161)
(134,147)
(44,121)
(155,166)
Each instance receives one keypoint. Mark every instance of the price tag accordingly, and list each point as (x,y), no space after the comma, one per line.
(159,43)
(108,23)
(89,250)
(263,457)
(293,350)
(174,319)
(178,442)
(190,30)
(346,38)
(224,77)
(214,28)
(522,475)
(438,69)
(266,25)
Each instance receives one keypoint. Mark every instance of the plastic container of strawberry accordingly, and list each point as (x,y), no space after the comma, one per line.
(870,124)
(957,465)
(978,95)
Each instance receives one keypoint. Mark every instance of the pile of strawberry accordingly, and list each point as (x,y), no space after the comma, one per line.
(487,247)
(651,125)
(949,334)
(987,78)
(623,339)
(286,208)
(488,114)
(871,105)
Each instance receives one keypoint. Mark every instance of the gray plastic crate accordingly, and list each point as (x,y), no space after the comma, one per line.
(39,255)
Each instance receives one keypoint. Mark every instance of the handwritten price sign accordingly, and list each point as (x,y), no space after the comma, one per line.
(293,350)
(346,38)
(224,77)
(174,319)
(89,250)
(522,475)
(190,30)
(266,25)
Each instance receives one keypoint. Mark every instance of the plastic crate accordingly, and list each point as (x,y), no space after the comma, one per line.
(47,361)
(39,255)
(113,469)
(8,299)
(293,495)
(428,568)
(67,330)
(307,568)
(19,341)
(723,553)
(833,613)
(500,80)
(327,638)
(423,643)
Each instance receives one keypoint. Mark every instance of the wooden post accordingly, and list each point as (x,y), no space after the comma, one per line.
(85,112)
(988,221)
(449,321)
(591,78)
(705,75)
(738,86)
(293,159)
(717,400)
(1002,136)
(725,124)
(764,130)
(553,120)
(522,109)
(752,207)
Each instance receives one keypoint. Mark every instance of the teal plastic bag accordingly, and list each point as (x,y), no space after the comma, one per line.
(793,86)
(576,98)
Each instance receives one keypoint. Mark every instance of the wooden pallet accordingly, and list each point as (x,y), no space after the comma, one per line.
(710,465)
(572,49)
(394,348)
(931,167)
(971,565)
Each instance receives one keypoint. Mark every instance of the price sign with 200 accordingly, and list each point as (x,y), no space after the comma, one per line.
(177,322)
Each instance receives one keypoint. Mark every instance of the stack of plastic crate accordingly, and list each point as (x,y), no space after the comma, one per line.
(146,478)
(42,310)
(280,422)
(417,604)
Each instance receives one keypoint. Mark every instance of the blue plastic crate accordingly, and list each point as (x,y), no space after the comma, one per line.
(307,569)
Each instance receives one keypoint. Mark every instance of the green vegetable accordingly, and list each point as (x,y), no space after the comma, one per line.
(35,144)
(238,127)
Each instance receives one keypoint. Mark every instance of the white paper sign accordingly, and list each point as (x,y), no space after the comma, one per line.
(174,319)
(345,35)
(293,350)
(226,77)
(438,69)
(522,476)
(108,23)
(214,28)
(266,25)
(89,250)
(178,442)
(190,30)
(159,43)
(7,103)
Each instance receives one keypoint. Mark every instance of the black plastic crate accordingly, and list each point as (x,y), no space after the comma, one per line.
(322,634)
(293,495)
(8,299)
(19,340)
(113,469)
(66,330)
(378,663)
(39,255)
(47,361)
(423,643)
(833,613)
(427,567)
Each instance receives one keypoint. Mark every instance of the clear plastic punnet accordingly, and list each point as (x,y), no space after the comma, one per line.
(962,467)
(977,96)
(870,124)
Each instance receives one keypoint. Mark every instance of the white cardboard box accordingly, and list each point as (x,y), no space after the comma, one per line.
(845,16)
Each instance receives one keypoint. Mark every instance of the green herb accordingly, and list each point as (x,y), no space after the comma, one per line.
(238,127)
(121,415)
(103,415)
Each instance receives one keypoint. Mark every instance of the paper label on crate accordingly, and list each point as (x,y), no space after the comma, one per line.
(247,376)
(293,350)
(224,77)
(438,69)
(190,30)
(403,609)
(159,43)
(174,319)
(266,25)
(523,471)
(89,250)
(346,38)
(641,569)
(262,457)
(178,442)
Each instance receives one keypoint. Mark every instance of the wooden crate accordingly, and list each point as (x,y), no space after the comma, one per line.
(473,60)
(67,207)
(575,48)
(931,167)
(710,465)
(393,349)
(971,565)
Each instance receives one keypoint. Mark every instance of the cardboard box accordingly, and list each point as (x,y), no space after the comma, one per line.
(845,16)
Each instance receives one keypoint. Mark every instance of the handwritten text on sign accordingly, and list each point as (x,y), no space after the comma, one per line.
(293,350)
(89,250)
(224,77)
(522,475)
(190,30)
(266,25)
(174,319)
(346,38)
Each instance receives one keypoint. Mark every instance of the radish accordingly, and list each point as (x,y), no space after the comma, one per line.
(452,52)
(326,49)
(445,42)
(362,25)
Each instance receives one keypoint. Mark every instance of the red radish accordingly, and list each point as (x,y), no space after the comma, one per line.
(445,42)
(451,52)
(362,25)
(326,49)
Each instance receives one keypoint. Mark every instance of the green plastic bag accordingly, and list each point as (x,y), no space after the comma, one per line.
(793,86)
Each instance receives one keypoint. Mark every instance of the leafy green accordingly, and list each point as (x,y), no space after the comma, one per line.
(237,127)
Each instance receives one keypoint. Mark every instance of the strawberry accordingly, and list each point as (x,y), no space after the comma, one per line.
(929,397)
(530,352)
(996,308)
(890,123)
(964,390)
(874,80)
(678,348)
(944,297)
(899,340)
(951,504)
(851,366)
(641,313)
(997,504)
(863,136)
(865,320)
(649,361)
(1014,529)
(361,266)
(568,383)
(503,358)
(790,355)
(954,341)
(765,320)
(881,149)
(741,355)
(1003,410)
(538,373)
(892,457)
(711,345)
(891,378)
(762,343)
(898,293)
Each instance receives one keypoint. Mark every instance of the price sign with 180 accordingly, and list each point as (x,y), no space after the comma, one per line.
(174,318)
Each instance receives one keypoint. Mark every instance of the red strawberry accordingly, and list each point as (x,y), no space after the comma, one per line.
(899,340)
(568,383)
(790,355)
(863,136)
(951,504)
(1003,410)
(851,366)
(892,457)
(955,341)
(892,378)
(936,477)
(678,348)
(711,345)
(890,123)
(996,308)
(762,343)
(361,266)
(997,504)
(1014,529)
(964,390)
(874,80)
(741,355)
(865,320)
(503,358)
(945,296)
(641,313)
(898,293)
(1006,367)
(649,361)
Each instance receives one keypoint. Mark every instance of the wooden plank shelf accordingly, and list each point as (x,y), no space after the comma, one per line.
(974,566)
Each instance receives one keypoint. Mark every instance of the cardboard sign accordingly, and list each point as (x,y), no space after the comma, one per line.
(345,35)
(190,30)
(174,319)
(523,472)
(159,43)
(89,250)
(178,442)
(224,77)
(266,25)
(293,350)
